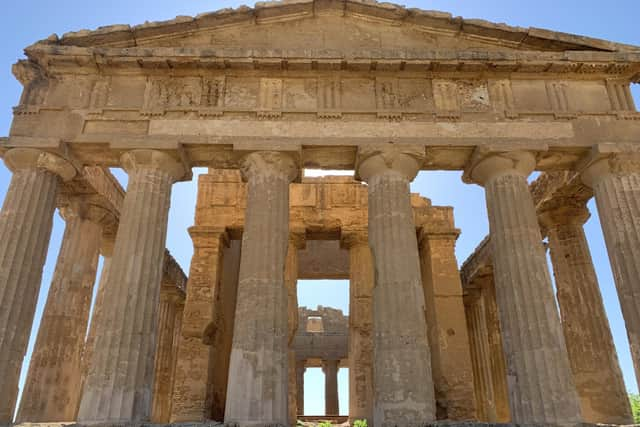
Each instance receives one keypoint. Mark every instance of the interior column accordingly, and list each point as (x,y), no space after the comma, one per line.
(258,373)
(540,382)
(300,370)
(403,383)
(331,404)
(25,228)
(119,384)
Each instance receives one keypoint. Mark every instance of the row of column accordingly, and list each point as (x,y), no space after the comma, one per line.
(331,401)
(119,381)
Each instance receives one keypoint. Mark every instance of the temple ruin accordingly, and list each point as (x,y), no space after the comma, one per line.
(257,95)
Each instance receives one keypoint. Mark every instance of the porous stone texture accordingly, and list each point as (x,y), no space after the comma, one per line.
(296,242)
(300,370)
(361,280)
(119,383)
(592,354)
(258,373)
(53,384)
(541,388)
(193,389)
(446,324)
(331,403)
(403,383)
(616,184)
(25,227)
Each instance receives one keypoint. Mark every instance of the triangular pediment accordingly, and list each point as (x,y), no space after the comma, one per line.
(334,25)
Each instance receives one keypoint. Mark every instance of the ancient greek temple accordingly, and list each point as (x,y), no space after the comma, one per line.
(258,95)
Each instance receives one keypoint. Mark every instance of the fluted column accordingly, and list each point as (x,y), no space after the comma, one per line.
(52,388)
(330,369)
(403,384)
(193,391)
(300,370)
(25,228)
(496,352)
(616,185)
(119,383)
(258,373)
(446,324)
(296,242)
(165,355)
(481,362)
(540,382)
(592,354)
(360,324)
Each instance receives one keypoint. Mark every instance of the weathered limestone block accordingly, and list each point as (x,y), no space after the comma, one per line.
(361,280)
(592,354)
(331,403)
(403,383)
(300,370)
(616,184)
(25,227)
(446,325)
(119,383)
(479,346)
(192,394)
(258,373)
(53,385)
(539,375)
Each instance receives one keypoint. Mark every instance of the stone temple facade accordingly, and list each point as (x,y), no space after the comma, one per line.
(258,94)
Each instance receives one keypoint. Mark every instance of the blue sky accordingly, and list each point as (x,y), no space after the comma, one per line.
(23,22)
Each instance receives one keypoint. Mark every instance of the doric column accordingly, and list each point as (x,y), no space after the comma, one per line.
(25,227)
(300,370)
(170,298)
(193,390)
(258,373)
(360,324)
(446,324)
(296,242)
(119,383)
(540,382)
(52,388)
(403,384)
(496,352)
(592,354)
(96,317)
(479,346)
(616,185)
(330,369)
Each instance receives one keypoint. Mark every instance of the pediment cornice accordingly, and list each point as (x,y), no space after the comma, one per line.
(532,39)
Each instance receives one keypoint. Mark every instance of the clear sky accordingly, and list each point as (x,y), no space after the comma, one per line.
(24,22)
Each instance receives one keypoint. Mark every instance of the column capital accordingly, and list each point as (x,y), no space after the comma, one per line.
(486,164)
(269,164)
(350,237)
(563,211)
(30,158)
(298,238)
(155,160)
(375,159)
(426,234)
(208,237)
(604,161)
(86,208)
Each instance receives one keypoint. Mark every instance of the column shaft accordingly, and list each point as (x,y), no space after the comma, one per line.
(193,390)
(361,281)
(300,369)
(52,389)
(446,326)
(164,362)
(331,404)
(403,384)
(119,383)
(291,283)
(496,353)
(258,376)
(592,354)
(540,382)
(25,228)
(616,185)
(479,346)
